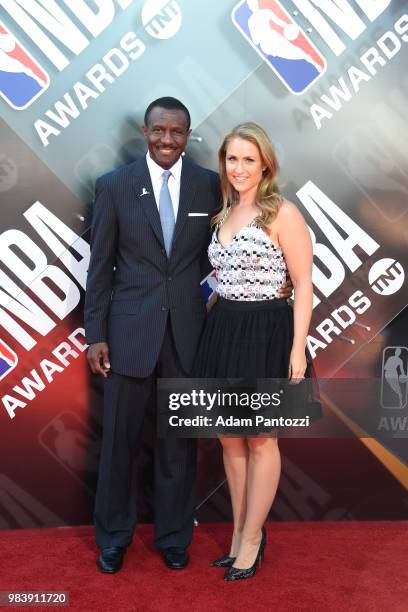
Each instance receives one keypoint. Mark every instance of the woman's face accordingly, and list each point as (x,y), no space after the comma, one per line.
(243,165)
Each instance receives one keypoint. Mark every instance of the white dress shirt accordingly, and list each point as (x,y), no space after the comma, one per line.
(156,176)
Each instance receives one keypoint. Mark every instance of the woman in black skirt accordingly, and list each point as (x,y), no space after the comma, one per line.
(259,238)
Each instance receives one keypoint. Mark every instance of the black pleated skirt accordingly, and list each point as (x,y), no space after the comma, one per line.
(244,339)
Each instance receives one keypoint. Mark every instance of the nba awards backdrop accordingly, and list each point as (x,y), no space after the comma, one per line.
(328,81)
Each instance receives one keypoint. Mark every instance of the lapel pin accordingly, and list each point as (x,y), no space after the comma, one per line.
(144,192)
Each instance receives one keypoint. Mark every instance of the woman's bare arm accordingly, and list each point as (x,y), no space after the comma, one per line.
(296,244)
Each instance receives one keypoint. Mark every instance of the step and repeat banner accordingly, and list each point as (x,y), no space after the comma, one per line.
(327,79)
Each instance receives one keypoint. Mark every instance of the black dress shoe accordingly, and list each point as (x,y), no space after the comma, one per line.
(175,557)
(110,559)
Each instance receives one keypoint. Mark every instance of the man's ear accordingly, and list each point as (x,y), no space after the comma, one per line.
(189,133)
(145,129)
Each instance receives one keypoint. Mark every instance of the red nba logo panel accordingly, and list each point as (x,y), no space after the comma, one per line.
(281,43)
(22,79)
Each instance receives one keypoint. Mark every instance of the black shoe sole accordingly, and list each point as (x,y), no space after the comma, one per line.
(108,571)
(176,567)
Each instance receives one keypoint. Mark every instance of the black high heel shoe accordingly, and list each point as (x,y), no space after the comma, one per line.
(235,573)
(224,561)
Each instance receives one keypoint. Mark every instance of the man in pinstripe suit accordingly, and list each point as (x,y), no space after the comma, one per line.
(143,318)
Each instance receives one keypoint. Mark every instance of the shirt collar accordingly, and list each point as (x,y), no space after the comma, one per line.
(156,171)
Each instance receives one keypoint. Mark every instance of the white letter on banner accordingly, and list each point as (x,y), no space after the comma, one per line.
(49,367)
(326,284)
(62,110)
(373,8)
(319,113)
(45,130)
(321,208)
(337,94)
(313,344)
(11,403)
(52,19)
(116,61)
(384,44)
(83,93)
(356,76)
(23,307)
(124,3)
(37,274)
(340,12)
(49,227)
(29,384)
(94,22)
(132,45)
(402,27)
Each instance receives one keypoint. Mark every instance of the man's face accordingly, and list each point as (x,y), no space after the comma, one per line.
(167,135)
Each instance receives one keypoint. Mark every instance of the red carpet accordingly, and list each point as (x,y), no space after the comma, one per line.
(330,566)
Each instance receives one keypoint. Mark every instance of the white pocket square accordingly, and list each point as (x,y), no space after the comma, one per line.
(198,214)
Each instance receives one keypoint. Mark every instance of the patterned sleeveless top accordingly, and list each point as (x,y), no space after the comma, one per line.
(251,267)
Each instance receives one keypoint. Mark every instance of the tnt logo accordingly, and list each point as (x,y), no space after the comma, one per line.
(209,285)
(285,47)
(161,18)
(386,276)
(22,79)
(8,359)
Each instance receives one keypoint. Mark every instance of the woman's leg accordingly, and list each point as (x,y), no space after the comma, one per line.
(235,456)
(263,476)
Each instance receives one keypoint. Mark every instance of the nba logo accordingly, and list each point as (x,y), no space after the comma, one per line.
(394,377)
(74,445)
(281,43)
(22,79)
(208,286)
(8,359)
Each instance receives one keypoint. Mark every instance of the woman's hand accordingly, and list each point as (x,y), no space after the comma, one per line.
(297,366)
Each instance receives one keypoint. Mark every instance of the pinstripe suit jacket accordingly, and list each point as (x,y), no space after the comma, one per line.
(132,286)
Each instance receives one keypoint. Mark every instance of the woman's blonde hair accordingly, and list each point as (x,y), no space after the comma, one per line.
(268,196)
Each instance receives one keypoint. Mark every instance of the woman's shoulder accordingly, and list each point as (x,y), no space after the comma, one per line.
(288,210)
(288,215)
(288,222)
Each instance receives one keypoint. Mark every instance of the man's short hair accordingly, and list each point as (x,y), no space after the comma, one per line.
(170,104)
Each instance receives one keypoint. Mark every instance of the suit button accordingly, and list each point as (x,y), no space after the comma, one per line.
(163,251)
(164,308)
(169,278)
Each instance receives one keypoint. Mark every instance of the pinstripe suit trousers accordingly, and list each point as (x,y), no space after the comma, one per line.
(126,399)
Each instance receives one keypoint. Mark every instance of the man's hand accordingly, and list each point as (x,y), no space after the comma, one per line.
(211,301)
(98,358)
(286,290)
